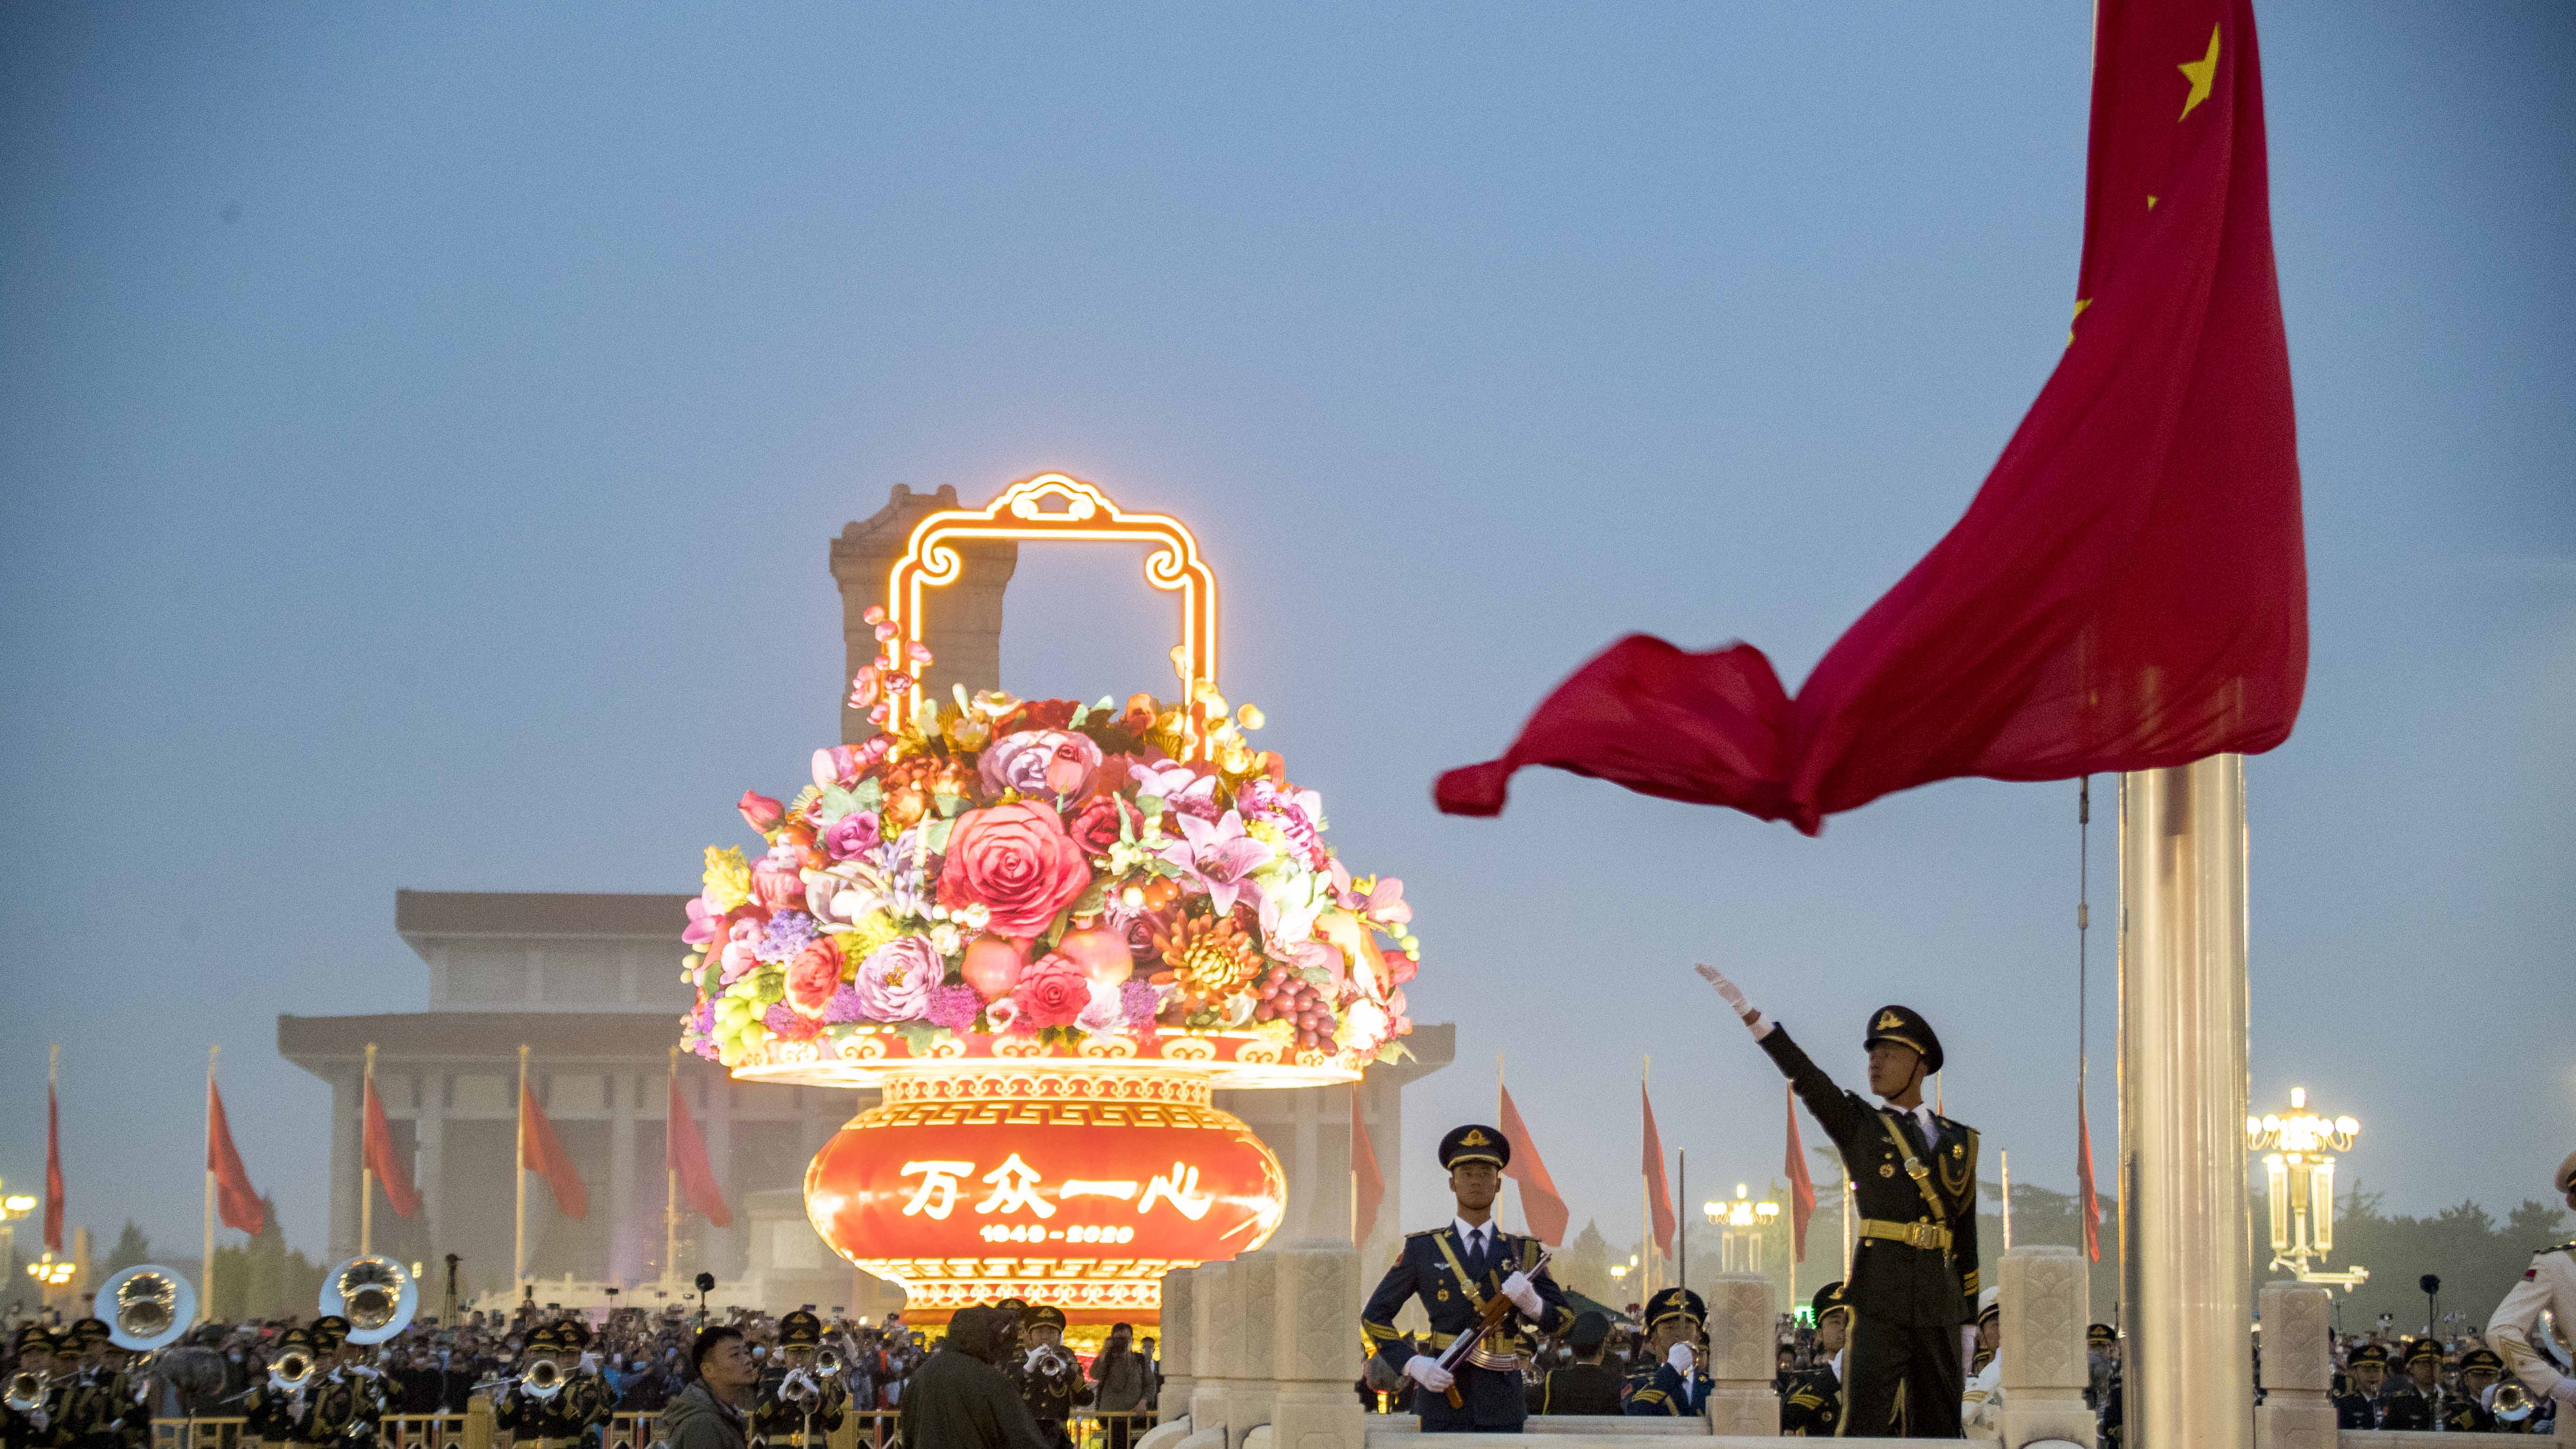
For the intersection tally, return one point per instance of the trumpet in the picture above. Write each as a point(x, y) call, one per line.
point(26, 1391)
point(2512, 1402)
point(828, 1363)
point(292, 1369)
point(543, 1379)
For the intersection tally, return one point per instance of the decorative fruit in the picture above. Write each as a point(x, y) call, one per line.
point(1102, 954)
point(993, 965)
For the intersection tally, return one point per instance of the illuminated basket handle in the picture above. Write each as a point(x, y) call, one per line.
point(1086, 516)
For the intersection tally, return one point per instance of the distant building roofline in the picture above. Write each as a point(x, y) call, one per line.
point(539, 913)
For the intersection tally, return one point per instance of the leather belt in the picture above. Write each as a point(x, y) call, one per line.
point(1913, 1235)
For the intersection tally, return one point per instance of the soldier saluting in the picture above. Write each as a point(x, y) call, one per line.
point(1456, 1271)
point(1913, 1282)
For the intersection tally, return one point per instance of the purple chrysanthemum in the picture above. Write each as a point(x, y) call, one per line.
point(782, 1019)
point(788, 932)
point(705, 1024)
point(953, 1007)
point(844, 1006)
point(706, 1047)
point(1140, 1000)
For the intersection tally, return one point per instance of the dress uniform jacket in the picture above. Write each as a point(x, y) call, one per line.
point(1895, 1282)
point(568, 1415)
point(94, 1408)
point(778, 1419)
point(41, 1427)
point(331, 1409)
point(2548, 1285)
point(270, 1413)
point(2406, 1408)
point(1580, 1388)
point(2354, 1410)
point(1813, 1406)
point(1656, 1389)
point(1052, 1385)
point(1432, 1266)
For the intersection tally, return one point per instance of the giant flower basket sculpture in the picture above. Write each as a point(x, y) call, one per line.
point(1049, 931)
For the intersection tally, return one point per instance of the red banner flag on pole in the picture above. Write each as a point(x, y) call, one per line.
point(53, 1154)
point(684, 1154)
point(377, 1144)
point(1802, 1188)
point(1540, 1202)
point(2090, 1206)
point(1659, 1193)
point(2127, 591)
point(236, 1201)
point(1368, 1185)
point(541, 1154)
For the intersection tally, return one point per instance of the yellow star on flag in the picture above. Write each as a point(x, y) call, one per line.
point(2200, 73)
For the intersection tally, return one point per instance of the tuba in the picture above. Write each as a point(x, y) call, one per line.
point(146, 1308)
point(377, 1295)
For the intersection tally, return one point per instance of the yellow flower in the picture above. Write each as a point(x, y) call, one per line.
point(728, 877)
point(861, 937)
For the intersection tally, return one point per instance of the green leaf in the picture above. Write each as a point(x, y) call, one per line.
point(838, 802)
point(868, 794)
point(948, 804)
point(918, 1035)
point(1080, 713)
point(1055, 928)
point(1093, 900)
point(1163, 868)
point(1150, 805)
point(1316, 976)
point(1393, 1052)
point(935, 834)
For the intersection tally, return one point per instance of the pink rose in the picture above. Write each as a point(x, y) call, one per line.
point(851, 834)
point(1016, 862)
point(741, 950)
point(760, 812)
point(1053, 993)
point(1095, 825)
point(1035, 762)
point(813, 976)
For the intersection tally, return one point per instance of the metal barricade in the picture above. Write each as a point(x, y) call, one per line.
point(1110, 1429)
point(393, 1431)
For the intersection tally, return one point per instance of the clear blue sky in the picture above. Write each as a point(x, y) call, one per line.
point(420, 429)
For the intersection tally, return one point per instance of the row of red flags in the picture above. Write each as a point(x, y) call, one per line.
point(239, 1205)
point(1549, 1218)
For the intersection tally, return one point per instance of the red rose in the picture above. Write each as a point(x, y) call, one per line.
point(1053, 993)
point(1036, 714)
point(1015, 861)
point(760, 812)
point(813, 976)
point(1095, 825)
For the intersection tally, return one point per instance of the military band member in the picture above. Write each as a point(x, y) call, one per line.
point(2409, 1406)
point(1981, 1408)
point(2357, 1405)
point(585, 1404)
point(2469, 1412)
point(1049, 1377)
point(1813, 1407)
point(39, 1353)
point(1913, 1286)
point(796, 1404)
point(2548, 1286)
point(272, 1407)
point(1667, 1378)
point(1455, 1271)
point(557, 1418)
point(332, 1397)
point(1587, 1385)
point(95, 1399)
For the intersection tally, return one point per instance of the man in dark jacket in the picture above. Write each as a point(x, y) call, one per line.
point(1587, 1385)
point(957, 1399)
point(709, 1413)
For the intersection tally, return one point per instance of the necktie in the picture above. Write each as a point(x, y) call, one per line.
point(1476, 1252)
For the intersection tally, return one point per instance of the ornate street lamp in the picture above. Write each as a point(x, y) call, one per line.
point(2298, 1167)
point(1743, 1223)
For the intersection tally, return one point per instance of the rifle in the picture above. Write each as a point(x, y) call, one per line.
point(1495, 1308)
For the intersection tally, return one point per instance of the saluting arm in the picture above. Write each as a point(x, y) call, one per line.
point(1840, 1113)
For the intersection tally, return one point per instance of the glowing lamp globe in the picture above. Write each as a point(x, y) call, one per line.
point(1047, 932)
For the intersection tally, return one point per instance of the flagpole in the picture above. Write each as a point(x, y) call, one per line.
point(519, 1181)
point(2005, 1157)
point(366, 1166)
point(1498, 1117)
point(671, 1171)
point(206, 1270)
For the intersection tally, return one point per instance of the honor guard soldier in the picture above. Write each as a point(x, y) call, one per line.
point(1667, 1379)
point(2548, 1286)
point(1456, 1271)
point(95, 1401)
point(34, 1408)
point(2409, 1406)
point(2470, 1412)
point(1587, 1385)
point(798, 1404)
point(1049, 1377)
point(1813, 1408)
point(1913, 1284)
point(2366, 1373)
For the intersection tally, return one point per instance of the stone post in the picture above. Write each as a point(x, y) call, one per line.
point(1216, 1322)
point(2045, 1297)
point(1180, 1342)
point(963, 626)
point(1741, 1357)
point(1314, 1313)
point(2298, 1368)
point(1252, 1298)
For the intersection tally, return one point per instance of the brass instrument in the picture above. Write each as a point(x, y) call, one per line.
point(828, 1363)
point(26, 1391)
point(376, 1294)
point(543, 1380)
point(2512, 1402)
point(291, 1369)
point(146, 1308)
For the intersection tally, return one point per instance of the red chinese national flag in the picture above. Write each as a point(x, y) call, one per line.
point(392, 1173)
point(684, 1154)
point(1659, 1195)
point(2090, 1206)
point(53, 1171)
point(1540, 1203)
point(1368, 1185)
point(2128, 590)
point(236, 1201)
point(1802, 1188)
point(540, 1153)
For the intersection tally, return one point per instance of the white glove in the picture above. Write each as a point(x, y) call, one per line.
point(1734, 998)
point(1967, 1343)
point(1681, 1359)
point(1425, 1370)
point(2564, 1391)
point(1524, 1296)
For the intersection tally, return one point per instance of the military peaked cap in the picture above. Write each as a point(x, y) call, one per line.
point(35, 1338)
point(1830, 1299)
point(1675, 1303)
point(2481, 1358)
point(574, 1334)
point(1591, 1329)
point(1989, 1305)
point(86, 1333)
point(2370, 1353)
point(1473, 1143)
point(799, 1329)
point(1905, 1026)
point(2424, 1348)
point(2100, 1333)
point(330, 1331)
point(1046, 1315)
